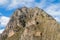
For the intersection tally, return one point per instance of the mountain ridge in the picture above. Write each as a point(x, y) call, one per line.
point(31, 24)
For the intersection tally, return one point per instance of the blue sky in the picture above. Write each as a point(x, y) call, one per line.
point(7, 7)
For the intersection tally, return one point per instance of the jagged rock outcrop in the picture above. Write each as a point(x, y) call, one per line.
point(31, 24)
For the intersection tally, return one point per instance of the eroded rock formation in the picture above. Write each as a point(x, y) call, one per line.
point(31, 24)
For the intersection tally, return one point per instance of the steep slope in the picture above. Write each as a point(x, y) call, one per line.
point(31, 24)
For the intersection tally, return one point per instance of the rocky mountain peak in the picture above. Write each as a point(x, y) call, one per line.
point(31, 24)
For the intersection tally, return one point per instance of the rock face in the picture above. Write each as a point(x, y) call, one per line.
point(0, 37)
point(31, 24)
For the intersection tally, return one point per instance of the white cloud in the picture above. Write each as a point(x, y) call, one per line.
point(41, 4)
point(57, 19)
point(17, 3)
point(4, 20)
point(3, 2)
point(1, 31)
point(27, 3)
point(54, 10)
